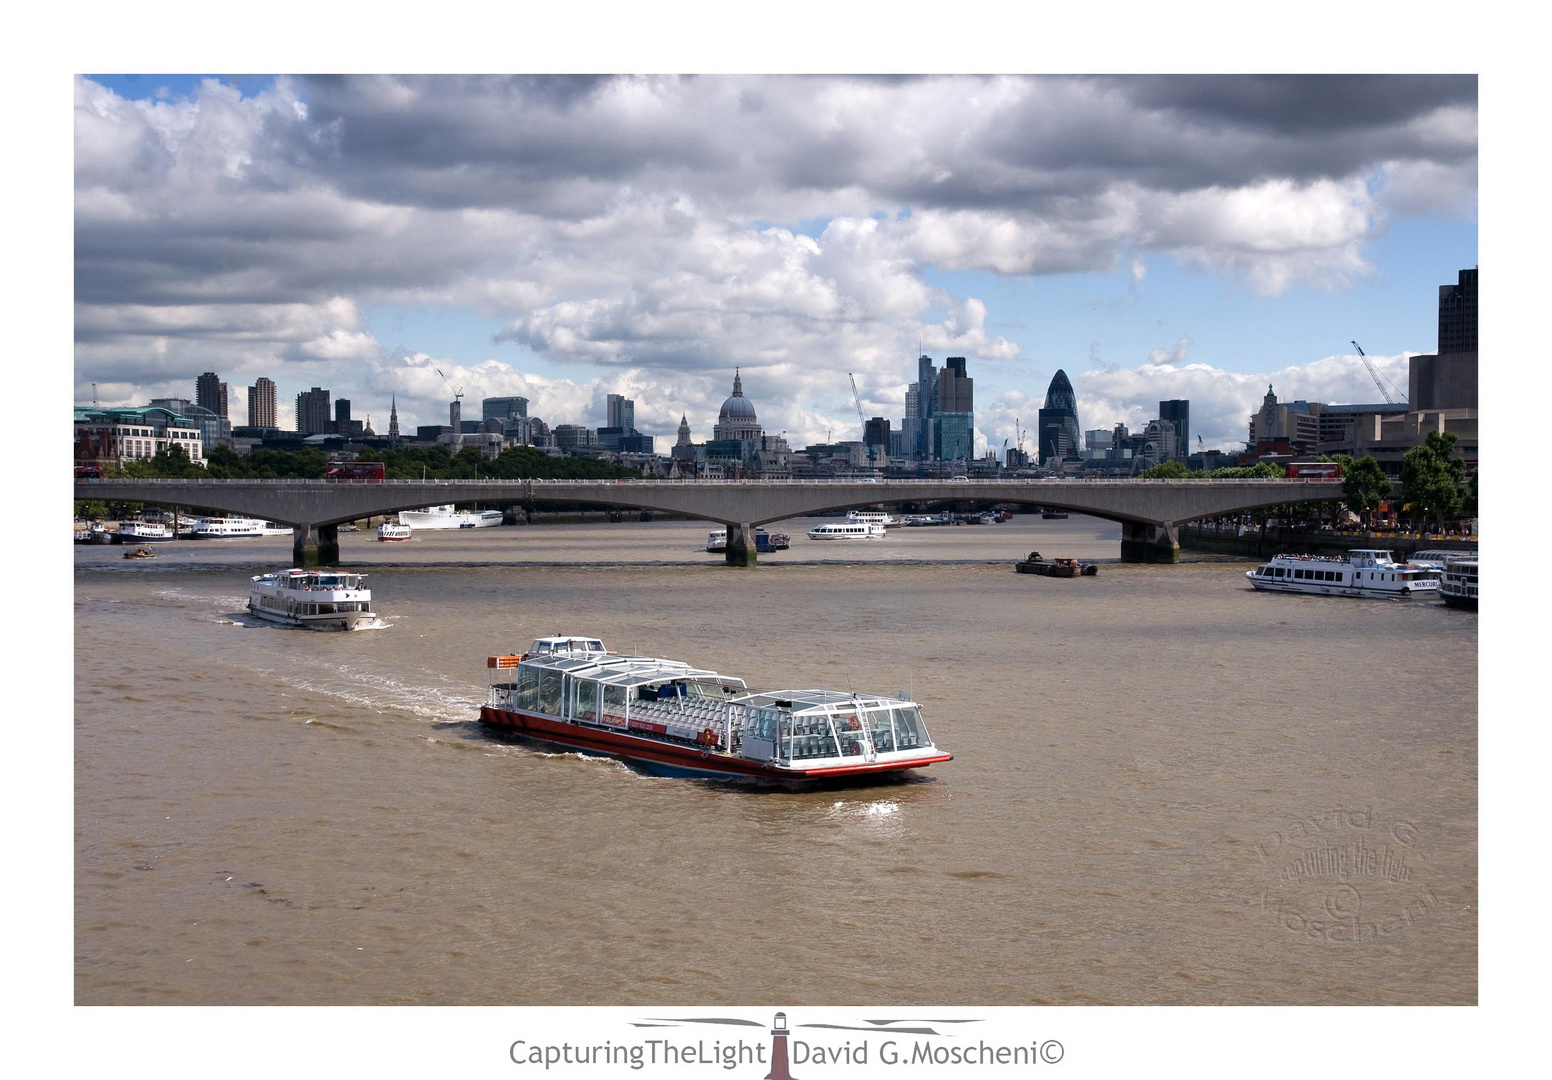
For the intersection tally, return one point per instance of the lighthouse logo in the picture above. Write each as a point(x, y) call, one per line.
point(779, 1049)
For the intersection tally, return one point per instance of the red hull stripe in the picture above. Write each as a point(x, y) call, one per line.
point(685, 757)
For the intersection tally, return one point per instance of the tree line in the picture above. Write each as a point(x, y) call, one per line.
point(1434, 485)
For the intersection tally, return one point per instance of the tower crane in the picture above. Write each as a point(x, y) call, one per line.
point(857, 398)
point(456, 412)
point(1375, 375)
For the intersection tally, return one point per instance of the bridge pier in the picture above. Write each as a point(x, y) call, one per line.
point(741, 549)
point(314, 545)
point(1145, 543)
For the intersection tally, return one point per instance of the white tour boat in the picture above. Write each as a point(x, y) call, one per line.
point(1365, 572)
point(276, 528)
point(227, 528)
point(1458, 586)
point(316, 599)
point(874, 517)
point(846, 530)
point(445, 517)
point(670, 717)
point(393, 532)
point(142, 532)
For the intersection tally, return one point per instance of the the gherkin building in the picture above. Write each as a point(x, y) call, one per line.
point(1059, 421)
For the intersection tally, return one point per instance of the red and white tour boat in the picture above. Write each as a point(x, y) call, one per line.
point(672, 718)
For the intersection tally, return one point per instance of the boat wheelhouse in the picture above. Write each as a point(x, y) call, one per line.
point(316, 599)
point(670, 717)
point(1458, 586)
point(1364, 572)
point(846, 530)
point(393, 532)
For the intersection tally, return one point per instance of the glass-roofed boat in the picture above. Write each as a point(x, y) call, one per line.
point(671, 717)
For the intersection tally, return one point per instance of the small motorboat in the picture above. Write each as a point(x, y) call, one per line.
point(140, 553)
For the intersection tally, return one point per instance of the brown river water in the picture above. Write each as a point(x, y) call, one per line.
point(1168, 788)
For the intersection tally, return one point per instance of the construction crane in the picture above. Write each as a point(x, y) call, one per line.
point(857, 398)
point(455, 413)
point(1375, 375)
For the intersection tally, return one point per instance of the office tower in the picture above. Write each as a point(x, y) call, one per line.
point(1458, 314)
point(1178, 413)
point(927, 407)
point(956, 390)
point(342, 416)
point(1058, 421)
point(312, 411)
point(261, 404)
point(876, 433)
point(621, 413)
point(503, 408)
point(210, 393)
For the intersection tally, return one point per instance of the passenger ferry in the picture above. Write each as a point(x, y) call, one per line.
point(227, 528)
point(316, 599)
point(673, 718)
point(874, 517)
point(142, 532)
point(764, 542)
point(846, 530)
point(1458, 587)
point(1365, 572)
point(391, 532)
point(445, 517)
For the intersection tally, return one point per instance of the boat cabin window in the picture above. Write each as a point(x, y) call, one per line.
point(910, 732)
point(587, 700)
point(882, 730)
point(763, 724)
point(527, 688)
point(550, 691)
point(614, 702)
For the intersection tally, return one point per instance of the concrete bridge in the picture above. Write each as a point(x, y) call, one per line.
point(1149, 511)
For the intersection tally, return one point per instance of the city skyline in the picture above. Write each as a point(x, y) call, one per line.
point(1156, 238)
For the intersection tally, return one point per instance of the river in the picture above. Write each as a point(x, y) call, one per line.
point(1167, 788)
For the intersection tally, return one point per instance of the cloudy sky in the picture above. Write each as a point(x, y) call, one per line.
point(565, 238)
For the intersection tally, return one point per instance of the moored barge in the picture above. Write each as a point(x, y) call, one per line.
point(669, 717)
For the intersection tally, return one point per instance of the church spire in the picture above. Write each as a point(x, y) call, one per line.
point(738, 384)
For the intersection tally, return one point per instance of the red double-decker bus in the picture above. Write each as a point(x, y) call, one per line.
point(1314, 470)
point(355, 470)
point(88, 472)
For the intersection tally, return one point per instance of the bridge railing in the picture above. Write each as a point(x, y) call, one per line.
point(763, 482)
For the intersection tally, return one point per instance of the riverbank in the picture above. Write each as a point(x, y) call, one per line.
point(1258, 544)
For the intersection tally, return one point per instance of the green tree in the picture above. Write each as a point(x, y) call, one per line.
point(1364, 486)
point(1431, 479)
point(1167, 470)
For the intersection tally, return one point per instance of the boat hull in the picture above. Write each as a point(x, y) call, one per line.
point(122, 537)
point(1418, 591)
point(1046, 569)
point(339, 620)
point(682, 760)
point(1465, 603)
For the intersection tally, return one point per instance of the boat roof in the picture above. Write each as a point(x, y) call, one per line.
point(816, 700)
point(616, 670)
